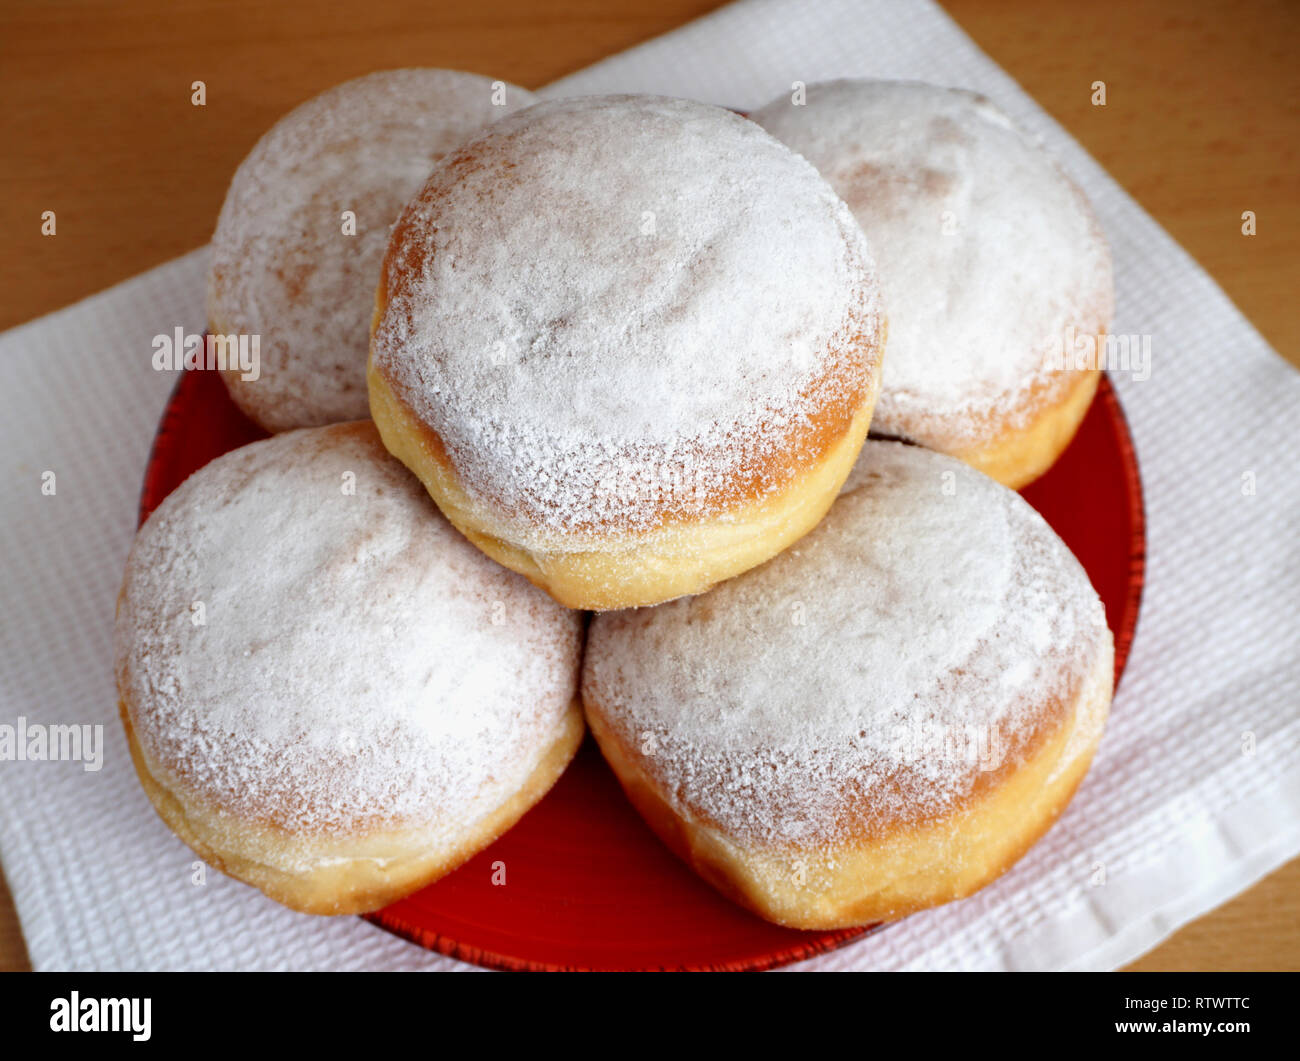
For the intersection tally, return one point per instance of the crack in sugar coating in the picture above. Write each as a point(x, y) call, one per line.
point(613, 311)
point(875, 674)
point(281, 265)
point(987, 251)
point(360, 663)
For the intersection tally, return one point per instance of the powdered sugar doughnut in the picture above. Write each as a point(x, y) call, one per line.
point(328, 692)
point(284, 266)
point(630, 344)
point(882, 718)
point(992, 262)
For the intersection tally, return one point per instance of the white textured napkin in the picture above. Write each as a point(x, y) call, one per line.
point(1175, 816)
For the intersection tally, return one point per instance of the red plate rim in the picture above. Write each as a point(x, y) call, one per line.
point(818, 943)
point(1137, 554)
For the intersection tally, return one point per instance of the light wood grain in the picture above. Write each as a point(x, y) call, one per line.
point(1202, 122)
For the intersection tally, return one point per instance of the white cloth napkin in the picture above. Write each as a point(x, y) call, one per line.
point(1175, 816)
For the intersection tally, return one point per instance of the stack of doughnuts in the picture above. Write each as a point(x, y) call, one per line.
point(621, 355)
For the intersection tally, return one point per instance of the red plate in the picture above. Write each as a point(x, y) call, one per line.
point(587, 885)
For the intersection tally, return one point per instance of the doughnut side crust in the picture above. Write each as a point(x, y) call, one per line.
point(329, 874)
point(882, 878)
point(1020, 454)
point(627, 570)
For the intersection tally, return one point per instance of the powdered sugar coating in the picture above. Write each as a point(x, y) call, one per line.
point(931, 609)
point(987, 252)
point(282, 267)
point(610, 309)
point(359, 664)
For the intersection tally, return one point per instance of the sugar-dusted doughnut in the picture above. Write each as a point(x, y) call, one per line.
point(996, 273)
point(630, 344)
point(882, 718)
point(327, 691)
point(289, 267)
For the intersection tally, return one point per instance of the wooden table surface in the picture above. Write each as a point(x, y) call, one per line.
point(1201, 123)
